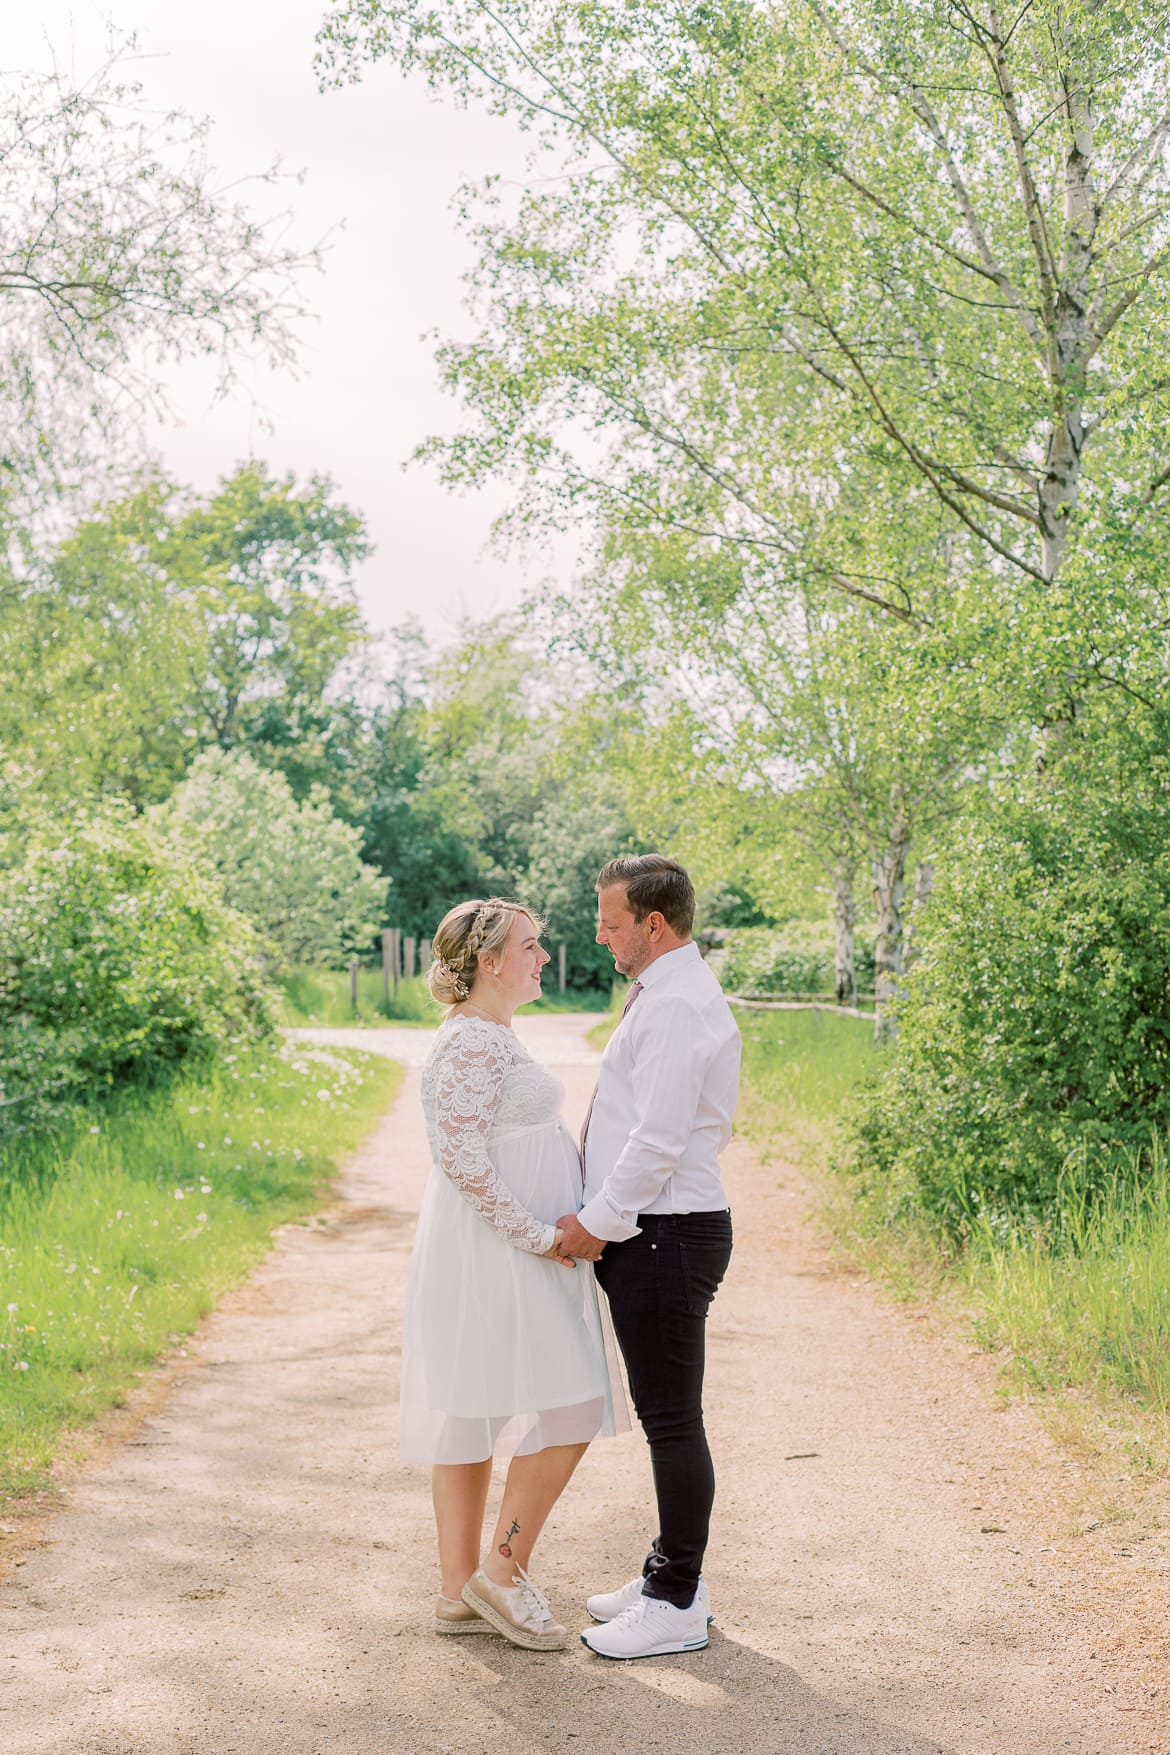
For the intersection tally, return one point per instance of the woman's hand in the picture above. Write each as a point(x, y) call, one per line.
point(557, 1254)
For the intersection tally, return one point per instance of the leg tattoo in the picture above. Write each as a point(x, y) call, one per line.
point(505, 1546)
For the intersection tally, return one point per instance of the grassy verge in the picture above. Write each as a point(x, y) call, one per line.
point(124, 1226)
point(799, 1071)
point(1077, 1311)
point(321, 996)
point(574, 999)
point(1089, 1306)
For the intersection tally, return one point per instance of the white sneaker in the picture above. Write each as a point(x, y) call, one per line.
point(649, 1628)
point(608, 1605)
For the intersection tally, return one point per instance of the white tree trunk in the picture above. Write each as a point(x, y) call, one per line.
point(889, 877)
point(1069, 323)
point(923, 884)
point(844, 958)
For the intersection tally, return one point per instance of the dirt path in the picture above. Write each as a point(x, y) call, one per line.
point(252, 1570)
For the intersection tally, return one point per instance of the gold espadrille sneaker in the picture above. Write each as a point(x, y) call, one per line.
point(518, 1611)
point(453, 1616)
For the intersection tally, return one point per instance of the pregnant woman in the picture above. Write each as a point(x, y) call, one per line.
point(504, 1346)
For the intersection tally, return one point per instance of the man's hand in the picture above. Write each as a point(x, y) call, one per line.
point(576, 1240)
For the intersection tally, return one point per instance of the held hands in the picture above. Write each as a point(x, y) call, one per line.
point(557, 1252)
point(575, 1240)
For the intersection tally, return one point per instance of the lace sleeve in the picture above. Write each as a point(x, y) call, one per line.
point(467, 1089)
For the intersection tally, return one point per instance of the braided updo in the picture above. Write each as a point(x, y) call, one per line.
point(469, 931)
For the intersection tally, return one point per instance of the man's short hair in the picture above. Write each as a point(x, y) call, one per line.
point(653, 885)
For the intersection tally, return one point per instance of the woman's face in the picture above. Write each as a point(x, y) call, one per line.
point(517, 965)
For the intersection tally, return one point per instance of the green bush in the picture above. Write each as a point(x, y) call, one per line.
point(1035, 1029)
point(290, 868)
point(794, 958)
point(121, 962)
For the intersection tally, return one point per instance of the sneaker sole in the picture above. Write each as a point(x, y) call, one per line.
point(515, 1635)
point(632, 1657)
point(604, 1620)
point(459, 1629)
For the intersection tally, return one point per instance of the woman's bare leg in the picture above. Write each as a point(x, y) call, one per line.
point(533, 1486)
point(460, 1492)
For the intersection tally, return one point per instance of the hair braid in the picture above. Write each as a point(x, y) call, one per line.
point(477, 932)
point(463, 935)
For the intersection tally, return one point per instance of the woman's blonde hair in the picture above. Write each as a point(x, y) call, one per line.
point(469, 931)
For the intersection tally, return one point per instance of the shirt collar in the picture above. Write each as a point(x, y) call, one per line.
point(660, 969)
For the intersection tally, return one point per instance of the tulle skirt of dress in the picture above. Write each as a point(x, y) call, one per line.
point(501, 1349)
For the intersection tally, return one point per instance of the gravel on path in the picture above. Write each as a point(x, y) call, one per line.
point(892, 1566)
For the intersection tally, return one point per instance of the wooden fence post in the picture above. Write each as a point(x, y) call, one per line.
point(386, 960)
point(354, 967)
point(561, 971)
point(424, 955)
point(408, 958)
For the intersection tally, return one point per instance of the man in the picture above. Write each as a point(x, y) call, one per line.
point(657, 1224)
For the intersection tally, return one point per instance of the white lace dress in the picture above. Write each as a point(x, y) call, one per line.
point(500, 1348)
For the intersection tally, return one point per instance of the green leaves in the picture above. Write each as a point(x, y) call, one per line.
point(1036, 1025)
point(164, 623)
point(293, 870)
point(120, 251)
point(121, 963)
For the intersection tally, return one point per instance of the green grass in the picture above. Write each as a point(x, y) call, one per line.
point(123, 1226)
point(1084, 1301)
point(1080, 1304)
point(574, 999)
point(322, 996)
point(799, 1071)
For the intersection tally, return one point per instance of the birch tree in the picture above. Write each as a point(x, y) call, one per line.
point(122, 252)
point(939, 234)
point(809, 721)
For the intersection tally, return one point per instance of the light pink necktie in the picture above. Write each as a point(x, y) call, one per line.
point(631, 996)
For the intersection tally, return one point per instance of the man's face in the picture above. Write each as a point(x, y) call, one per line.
point(628, 939)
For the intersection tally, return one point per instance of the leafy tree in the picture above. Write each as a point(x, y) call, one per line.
point(777, 265)
point(374, 767)
point(490, 731)
point(266, 568)
point(163, 624)
point(510, 795)
point(573, 835)
point(291, 869)
point(820, 736)
point(120, 252)
point(97, 655)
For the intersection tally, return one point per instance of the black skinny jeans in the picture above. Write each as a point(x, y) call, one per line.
point(660, 1285)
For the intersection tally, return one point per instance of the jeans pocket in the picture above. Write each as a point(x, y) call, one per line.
point(701, 1270)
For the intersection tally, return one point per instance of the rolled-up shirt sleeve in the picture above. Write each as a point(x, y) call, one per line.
point(671, 1050)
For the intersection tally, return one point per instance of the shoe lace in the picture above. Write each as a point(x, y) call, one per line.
point(634, 1612)
point(535, 1602)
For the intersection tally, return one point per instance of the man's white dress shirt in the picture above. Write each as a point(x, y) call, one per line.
point(665, 1101)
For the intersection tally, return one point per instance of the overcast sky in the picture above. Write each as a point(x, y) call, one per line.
point(385, 159)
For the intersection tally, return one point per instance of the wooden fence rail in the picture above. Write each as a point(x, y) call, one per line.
point(401, 953)
point(799, 1005)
